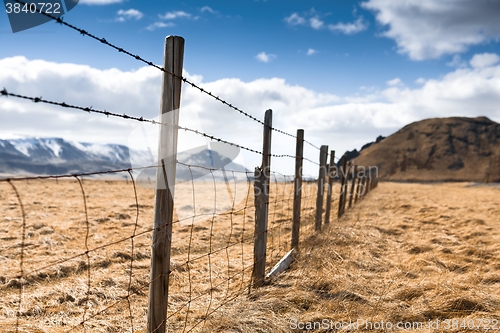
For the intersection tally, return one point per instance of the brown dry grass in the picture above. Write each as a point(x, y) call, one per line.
point(406, 252)
point(211, 258)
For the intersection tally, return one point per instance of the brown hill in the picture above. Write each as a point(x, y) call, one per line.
point(438, 149)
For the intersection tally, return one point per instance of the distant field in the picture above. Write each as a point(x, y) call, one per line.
point(406, 253)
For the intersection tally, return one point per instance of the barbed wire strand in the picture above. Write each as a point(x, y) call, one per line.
point(149, 63)
point(4, 92)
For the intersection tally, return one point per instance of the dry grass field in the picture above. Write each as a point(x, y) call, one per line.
point(405, 253)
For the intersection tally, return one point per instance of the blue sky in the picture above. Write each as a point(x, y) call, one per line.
point(346, 71)
point(223, 39)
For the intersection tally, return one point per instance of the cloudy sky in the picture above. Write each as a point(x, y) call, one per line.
point(345, 71)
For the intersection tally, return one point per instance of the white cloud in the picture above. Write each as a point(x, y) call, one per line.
point(311, 52)
point(349, 28)
point(395, 82)
point(457, 61)
point(295, 19)
point(344, 122)
point(207, 9)
point(313, 20)
point(175, 15)
point(124, 15)
point(484, 60)
point(99, 2)
point(82, 85)
point(158, 25)
point(420, 80)
point(316, 23)
point(426, 29)
point(265, 57)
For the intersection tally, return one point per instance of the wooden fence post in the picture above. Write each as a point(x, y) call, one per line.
point(375, 178)
point(354, 177)
point(363, 187)
point(369, 182)
point(321, 186)
point(297, 189)
point(165, 184)
point(358, 189)
point(343, 180)
point(331, 168)
point(346, 187)
point(261, 191)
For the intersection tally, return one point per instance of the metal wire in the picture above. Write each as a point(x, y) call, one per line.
point(4, 92)
point(149, 63)
point(222, 273)
point(221, 282)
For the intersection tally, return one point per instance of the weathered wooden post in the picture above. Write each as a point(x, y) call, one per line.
point(331, 169)
point(354, 177)
point(363, 187)
point(368, 186)
point(343, 182)
point(297, 189)
point(375, 177)
point(261, 191)
point(321, 186)
point(358, 189)
point(165, 184)
point(346, 187)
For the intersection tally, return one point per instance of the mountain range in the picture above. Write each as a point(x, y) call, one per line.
point(436, 149)
point(56, 156)
point(44, 156)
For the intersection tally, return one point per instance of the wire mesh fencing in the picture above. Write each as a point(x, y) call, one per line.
point(71, 253)
point(77, 253)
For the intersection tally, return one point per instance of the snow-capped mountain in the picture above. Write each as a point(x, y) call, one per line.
point(56, 156)
point(214, 162)
point(43, 156)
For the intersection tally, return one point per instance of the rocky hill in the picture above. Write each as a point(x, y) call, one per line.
point(438, 149)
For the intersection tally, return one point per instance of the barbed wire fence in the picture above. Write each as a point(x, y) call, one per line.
point(84, 262)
